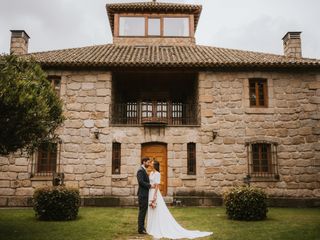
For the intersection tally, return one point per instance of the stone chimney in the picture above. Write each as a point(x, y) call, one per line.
point(19, 42)
point(292, 45)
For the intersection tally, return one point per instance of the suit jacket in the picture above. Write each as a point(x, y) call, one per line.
point(144, 182)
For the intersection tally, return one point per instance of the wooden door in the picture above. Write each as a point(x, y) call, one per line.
point(158, 151)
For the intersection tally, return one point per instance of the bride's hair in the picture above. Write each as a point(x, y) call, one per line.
point(156, 165)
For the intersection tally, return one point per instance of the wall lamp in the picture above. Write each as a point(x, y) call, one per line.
point(214, 135)
point(96, 134)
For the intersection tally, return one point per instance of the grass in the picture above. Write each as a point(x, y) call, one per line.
point(120, 223)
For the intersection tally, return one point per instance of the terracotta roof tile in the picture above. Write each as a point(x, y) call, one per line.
point(153, 7)
point(111, 55)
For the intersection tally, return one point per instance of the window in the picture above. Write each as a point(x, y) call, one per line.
point(55, 83)
point(154, 28)
point(47, 159)
point(191, 158)
point(116, 158)
point(177, 113)
point(132, 26)
point(258, 92)
point(176, 27)
point(162, 109)
point(262, 160)
point(146, 109)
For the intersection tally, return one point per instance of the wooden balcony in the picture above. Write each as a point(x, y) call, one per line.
point(155, 113)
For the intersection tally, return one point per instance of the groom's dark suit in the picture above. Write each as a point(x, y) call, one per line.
point(143, 194)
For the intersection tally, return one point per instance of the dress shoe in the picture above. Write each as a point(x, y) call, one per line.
point(142, 232)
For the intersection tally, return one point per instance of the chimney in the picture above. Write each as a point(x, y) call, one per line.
point(19, 42)
point(292, 45)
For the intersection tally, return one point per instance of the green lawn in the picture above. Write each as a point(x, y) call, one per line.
point(120, 223)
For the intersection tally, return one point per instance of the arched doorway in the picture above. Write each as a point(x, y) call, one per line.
point(158, 151)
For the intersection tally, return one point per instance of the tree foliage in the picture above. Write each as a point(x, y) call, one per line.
point(30, 110)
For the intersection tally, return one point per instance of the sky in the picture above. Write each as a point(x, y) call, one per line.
point(254, 25)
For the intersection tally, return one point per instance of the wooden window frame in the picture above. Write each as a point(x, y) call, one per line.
point(265, 92)
point(152, 16)
point(191, 159)
point(272, 161)
point(50, 158)
point(116, 158)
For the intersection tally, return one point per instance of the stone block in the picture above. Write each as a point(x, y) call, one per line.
point(104, 77)
point(90, 78)
point(103, 92)
point(73, 123)
point(102, 107)
point(213, 170)
point(228, 140)
point(315, 99)
point(7, 191)
point(314, 85)
point(74, 86)
point(19, 201)
point(95, 147)
point(18, 169)
point(89, 123)
point(24, 191)
point(23, 176)
point(104, 181)
point(21, 161)
point(79, 169)
point(121, 191)
point(175, 182)
point(101, 201)
point(74, 106)
point(206, 98)
point(69, 147)
point(3, 202)
point(4, 184)
point(101, 123)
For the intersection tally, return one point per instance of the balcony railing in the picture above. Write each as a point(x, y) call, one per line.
point(155, 113)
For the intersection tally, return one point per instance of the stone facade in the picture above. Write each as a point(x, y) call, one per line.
point(292, 120)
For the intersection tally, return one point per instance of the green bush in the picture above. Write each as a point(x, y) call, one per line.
point(246, 203)
point(56, 203)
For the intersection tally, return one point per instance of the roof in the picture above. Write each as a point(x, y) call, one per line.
point(152, 7)
point(191, 56)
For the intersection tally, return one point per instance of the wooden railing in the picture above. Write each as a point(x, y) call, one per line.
point(157, 113)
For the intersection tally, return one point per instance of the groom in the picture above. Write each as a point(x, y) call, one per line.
point(143, 193)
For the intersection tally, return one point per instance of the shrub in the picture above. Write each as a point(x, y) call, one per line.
point(246, 203)
point(56, 203)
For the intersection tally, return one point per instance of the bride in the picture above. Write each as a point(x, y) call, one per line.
point(160, 222)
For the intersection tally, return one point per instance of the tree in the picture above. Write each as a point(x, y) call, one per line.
point(30, 110)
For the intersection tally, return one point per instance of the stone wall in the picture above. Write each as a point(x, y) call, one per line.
point(292, 120)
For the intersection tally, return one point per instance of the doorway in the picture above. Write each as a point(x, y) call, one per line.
point(158, 151)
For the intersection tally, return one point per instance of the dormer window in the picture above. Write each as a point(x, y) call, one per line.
point(132, 26)
point(154, 26)
point(176, 27)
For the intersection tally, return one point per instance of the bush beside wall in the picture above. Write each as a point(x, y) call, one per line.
point(56, 203)
point(246, 203)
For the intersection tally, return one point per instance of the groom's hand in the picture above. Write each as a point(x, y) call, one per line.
point(152, 186)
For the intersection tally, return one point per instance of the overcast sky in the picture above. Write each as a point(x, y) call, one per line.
point(256, 25)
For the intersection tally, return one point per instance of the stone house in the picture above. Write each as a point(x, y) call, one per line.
point(213, 117)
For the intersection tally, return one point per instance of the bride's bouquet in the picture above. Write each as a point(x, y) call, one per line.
point(153, 204)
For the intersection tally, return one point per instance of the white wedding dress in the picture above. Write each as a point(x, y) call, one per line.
point(160, 222)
